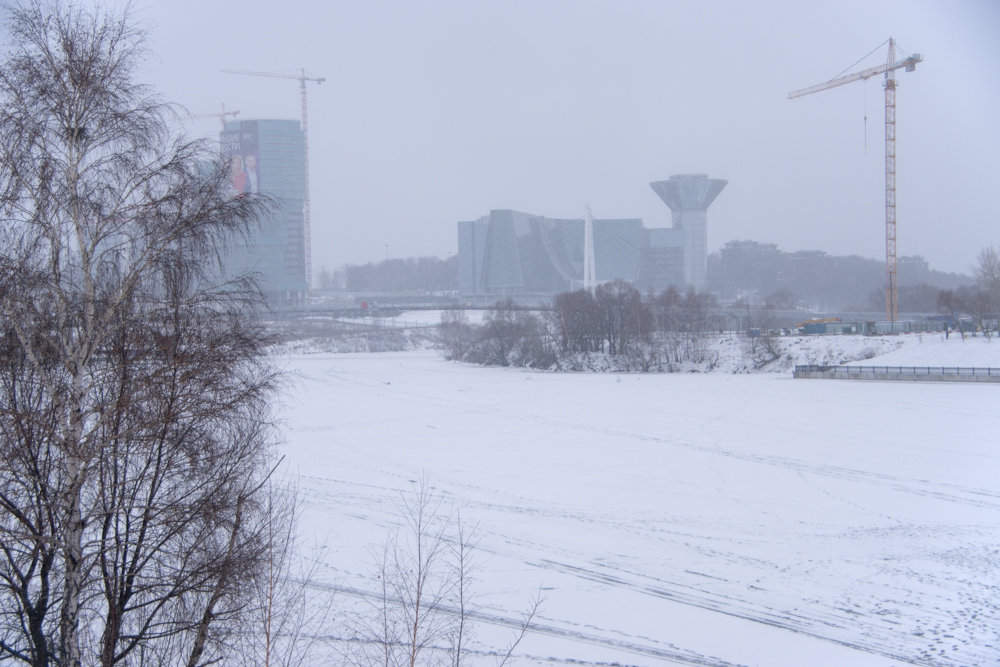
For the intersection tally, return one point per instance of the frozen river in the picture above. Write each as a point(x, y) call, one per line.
point(687, 518)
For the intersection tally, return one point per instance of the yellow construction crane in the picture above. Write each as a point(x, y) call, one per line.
point(889, 69)
point(220, 115)
point(302, 79)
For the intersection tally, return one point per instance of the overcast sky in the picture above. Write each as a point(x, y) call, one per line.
point(438, 111)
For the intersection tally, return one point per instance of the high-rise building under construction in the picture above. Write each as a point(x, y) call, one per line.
point(268, 156)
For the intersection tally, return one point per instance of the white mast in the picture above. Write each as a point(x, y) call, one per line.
point(589, 272)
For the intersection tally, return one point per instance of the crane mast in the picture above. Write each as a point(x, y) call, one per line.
point(891, 286)
point(306, 208)
point(889, 70)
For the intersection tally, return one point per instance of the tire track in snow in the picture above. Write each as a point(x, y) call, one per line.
point(824, 622)
point(562, 629)
point(984, 498)
point(829, 621)
point(847, 613)
point(799, 624)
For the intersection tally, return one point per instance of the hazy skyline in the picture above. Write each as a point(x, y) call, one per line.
point(437, 112)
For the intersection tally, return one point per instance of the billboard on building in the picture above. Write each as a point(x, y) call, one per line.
point(241, 149)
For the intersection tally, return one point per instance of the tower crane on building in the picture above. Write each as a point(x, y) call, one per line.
point(221, 115)
point(889, 70)
point(302, 79)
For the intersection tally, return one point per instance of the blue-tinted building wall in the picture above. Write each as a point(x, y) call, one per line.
point(471, 250)
point(512, 253)
point(268, 156)
point(663, 262)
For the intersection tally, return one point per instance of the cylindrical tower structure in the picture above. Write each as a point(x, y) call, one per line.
point(689, 196)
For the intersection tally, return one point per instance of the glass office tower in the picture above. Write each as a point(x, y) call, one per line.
point(268, 156)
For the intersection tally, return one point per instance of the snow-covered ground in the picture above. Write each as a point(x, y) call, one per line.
point(706, 519)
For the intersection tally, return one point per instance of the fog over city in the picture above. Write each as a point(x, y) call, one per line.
point(581, 440)
point(439, 111)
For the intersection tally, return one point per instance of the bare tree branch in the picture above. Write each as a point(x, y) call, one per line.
point(135, 429)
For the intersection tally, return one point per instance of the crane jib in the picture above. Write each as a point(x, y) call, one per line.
point(889, 68)
point(909, 64)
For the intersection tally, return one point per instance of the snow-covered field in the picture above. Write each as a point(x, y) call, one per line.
point(707, 519)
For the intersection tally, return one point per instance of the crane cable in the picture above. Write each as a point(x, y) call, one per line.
point(866, 117)
point(862, 58)
point(852, 66)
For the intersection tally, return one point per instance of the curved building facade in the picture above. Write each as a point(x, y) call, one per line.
point(511, 253)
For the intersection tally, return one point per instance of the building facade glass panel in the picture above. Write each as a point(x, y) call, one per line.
point(268, 157)
point(509, 253)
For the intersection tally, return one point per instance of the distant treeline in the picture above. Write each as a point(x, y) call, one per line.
point(752, 270)
point(656, 332)
point(740, 271)
point(644, 332)
point(413, 274)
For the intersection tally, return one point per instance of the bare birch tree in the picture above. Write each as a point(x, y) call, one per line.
point(423, 611)
point(408, 618)
point(134, 429)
